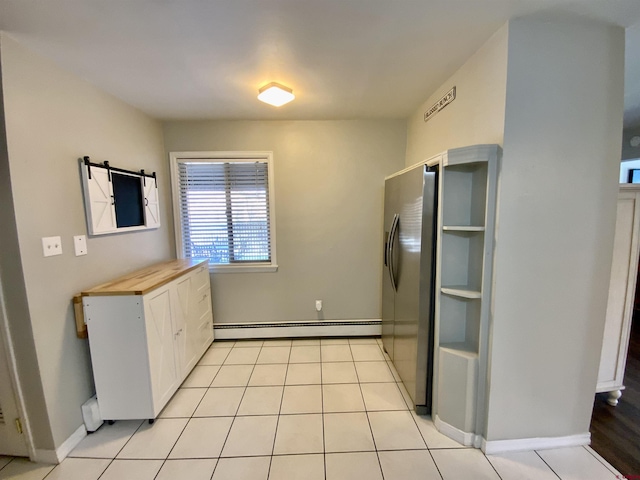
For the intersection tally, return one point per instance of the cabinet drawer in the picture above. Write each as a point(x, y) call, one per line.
point(203, 303)
point(200, 278)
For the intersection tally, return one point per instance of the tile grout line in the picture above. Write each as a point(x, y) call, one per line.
point(237, 409)
point(192, 413)
point(366, 412)
point(324, 440)
point(50, 471)
point(275, 434)
point(492, 465)
point(410, 411)
point(188, 421)
point(122, 448)
point(545, 462)
point(600, 458)
point(178, 438)
point(12, 459)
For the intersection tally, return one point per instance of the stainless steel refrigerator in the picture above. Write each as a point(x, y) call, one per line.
point(410, 211)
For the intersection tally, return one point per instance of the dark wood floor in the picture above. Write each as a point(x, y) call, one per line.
point(615, 431)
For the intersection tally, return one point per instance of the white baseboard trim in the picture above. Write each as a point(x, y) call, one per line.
point(45, 456)
point(516, 445)
point(305, 328)
point(544, 443)
point(59, 454)
point(464, 438)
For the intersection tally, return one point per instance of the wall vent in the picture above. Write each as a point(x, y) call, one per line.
point(1, 415)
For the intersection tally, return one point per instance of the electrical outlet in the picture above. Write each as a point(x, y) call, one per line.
point(51, 246)
point(318, 305)
point(80, 244)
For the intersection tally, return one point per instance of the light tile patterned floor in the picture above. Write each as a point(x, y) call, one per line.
point(310, 409)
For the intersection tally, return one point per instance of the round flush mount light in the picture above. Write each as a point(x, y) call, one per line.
point(275, 94)
point(635, 141)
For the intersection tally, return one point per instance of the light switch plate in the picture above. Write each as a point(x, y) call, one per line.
point(51, 246)
point(80, 244)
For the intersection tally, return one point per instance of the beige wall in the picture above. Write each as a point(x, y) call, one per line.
point(476, 116)
point(329, 184)
point(52, 119)
point(556, 217)
point(551, 93)
point(15, 301)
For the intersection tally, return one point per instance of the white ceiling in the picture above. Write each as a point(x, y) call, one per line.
point(195, 59)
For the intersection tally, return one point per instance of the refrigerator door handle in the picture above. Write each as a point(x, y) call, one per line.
point(391, 243)
point(387, 244)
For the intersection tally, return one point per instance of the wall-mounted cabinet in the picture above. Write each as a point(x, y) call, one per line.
point(118, 200)
point(466, 225)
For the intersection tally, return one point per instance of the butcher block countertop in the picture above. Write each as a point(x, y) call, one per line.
point(143, 281)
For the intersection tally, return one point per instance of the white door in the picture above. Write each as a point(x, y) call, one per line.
point(160, 342)
point(12, 442)
point(151, 204)
point(187, 347)
point(99, 201)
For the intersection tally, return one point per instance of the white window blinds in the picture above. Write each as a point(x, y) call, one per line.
point(224, 211)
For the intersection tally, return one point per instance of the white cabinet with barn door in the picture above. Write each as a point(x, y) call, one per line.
point(118, 200)
point(147, 331)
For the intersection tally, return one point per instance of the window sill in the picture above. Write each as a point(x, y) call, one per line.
point(248, 268)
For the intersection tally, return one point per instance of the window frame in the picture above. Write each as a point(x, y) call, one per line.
point(176, 158)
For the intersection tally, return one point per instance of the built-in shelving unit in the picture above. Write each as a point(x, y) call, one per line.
point(463, 282)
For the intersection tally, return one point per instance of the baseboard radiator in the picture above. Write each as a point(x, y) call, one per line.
point(304, 328)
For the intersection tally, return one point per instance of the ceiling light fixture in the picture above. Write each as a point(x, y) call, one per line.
point(275, 94)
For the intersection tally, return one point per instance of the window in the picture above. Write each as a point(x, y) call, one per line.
point(223, 209)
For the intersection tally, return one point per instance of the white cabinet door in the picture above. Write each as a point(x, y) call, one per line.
point(151, 204)
point(101, 214)
point(194, 314)
point(621, 293)
point(161, 340)
point(185, 349)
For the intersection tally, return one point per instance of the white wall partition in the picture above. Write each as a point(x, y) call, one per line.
point(52, 118)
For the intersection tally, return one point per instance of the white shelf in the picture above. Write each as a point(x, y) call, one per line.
point(461, 291)
point(464, 192)
point(463, 349)
point(463, 228)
